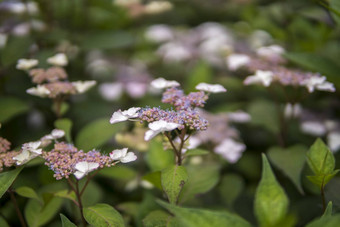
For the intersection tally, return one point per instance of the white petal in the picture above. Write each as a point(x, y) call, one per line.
point(23, 157)
point(58, 60)
point(130, 157)
point(150, 134)
point(118, 154)
point(213, 88)
point(313, 128)
point(118, 117)
point(236, 61)
point(83, 86)
point(161, 83)
point(40, 91)
point(57, 133)
point(132, 112)
point(79, 174)
point(26, 64)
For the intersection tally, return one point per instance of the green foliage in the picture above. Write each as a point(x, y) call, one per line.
point(189, 217)
point(65, 222)
point(157, 158)
point(173, 180)
point(66, 125)
point(27, 192)
point(201, 72)
point(321, 161)
point(10, 107)
point(230, 188)
point(158, 218)
point(335, 8)
point(3, 222)
point(196, 152)
point(271, 202)
point(96, 133)
point(119, 172)
point(107, 40)
point(154, 178)
point(39, 214)
point(16, 48)
point(290, 161)
point(329, 221)
point(103, 215)
point(329, 210)
point(201, 179)
point(7, 179)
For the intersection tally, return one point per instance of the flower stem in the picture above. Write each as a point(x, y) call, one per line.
point(78, 195)
point(14, 200)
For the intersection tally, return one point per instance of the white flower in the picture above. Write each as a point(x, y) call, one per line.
point(158, 127)
point(230, 150)
point(174, 52)
point(292, 110)
point(159, 33)
point(58, 60)
point(83, 86)
point(123, 156)
point(261, 77)
point(155, 7)
point(212, 88)
point(318, 83)
point(3, 40)
point(26, 64)
point(83, 168)
point(40, 91)
point(236, 61)
point(314, 128)
point(111, 91)
point(125, 115)
point(125, 3)
point(161, 83)
point(239, 117)
point(333, 140)
point(269, 52)
point(29, 151)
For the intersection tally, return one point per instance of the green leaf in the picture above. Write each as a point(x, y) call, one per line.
point(3, 222)
point(322, 179)
point(329, 221)
point(335, 8)
point(119, 172)
point(201, 179)
point(328, 211)
point(103, 215)
point(96, 134)
point(7, 178)
point(27, 192)
point(66, 194)
point(16, 48)
point(290, 161)
point(66, 125)
point(107, 40)
point(271, 202)
point(189, 217)
point(263, 113)
point(316, 63)
point(157, 218)
point(147, 205)
point(154, 178)
point(157, 158)
point(230, 188)
point(65, 222)
point(38, 214)
point(10, 107)
point(173, 180)
point(320, 159)
point(196, 152)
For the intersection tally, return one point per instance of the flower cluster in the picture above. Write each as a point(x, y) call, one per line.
point(52, 82)
point(6, 156)
point(65, 160)
point(185, 116)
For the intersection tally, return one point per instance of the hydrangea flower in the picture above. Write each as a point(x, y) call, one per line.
point(318, 83)
point(83, 168)
point(83, 86)
point(236, 61)
point(211, 88)
point(230, 150)
point(122, 155)
point(26, 64)
point(161, 83)
point(261, 77)
point(58, 60)
point(40, 91)
point(29, 151)
point(125, 115)
point(157, 127)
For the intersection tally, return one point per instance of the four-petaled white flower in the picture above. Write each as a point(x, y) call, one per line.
point(58, 60)
point(161, 83)
point(318, 83)
point(40, 91)
point(55, 134)
point(261, 77)
point(230, 150)
point(83, 168)
point(158, 127)
point(125, 115)
point(236, 61)
point(83, 86)
point(122, 155)
point(211, 88)
point(29, 151)
point(26, 64)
